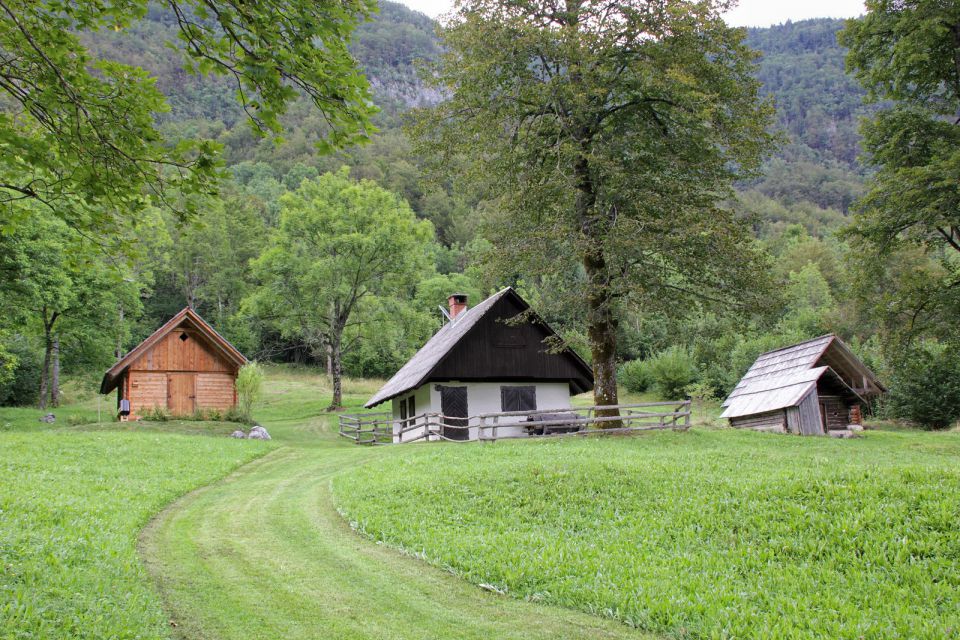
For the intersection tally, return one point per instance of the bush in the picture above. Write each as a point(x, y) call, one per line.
point(634, 376)
point(23, 386)
point(671, 371)
point(233, 415)
point(249, 389)
point(925, 387)
point(157, 414)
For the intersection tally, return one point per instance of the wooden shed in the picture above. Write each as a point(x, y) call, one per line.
point(810, 388)
point(185, 365)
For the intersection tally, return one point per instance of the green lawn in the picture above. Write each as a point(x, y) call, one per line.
point(705, 534)
point(701, 534)
point(88, 549)
point(73, 498)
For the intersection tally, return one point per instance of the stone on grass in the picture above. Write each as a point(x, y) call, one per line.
point(49, 418)
point(258, 433)
point(238, 434)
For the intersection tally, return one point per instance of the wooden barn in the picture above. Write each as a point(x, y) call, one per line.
point(811, 388)
point(481, 362)
point(184, 366)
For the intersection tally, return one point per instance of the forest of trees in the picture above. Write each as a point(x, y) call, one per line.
point(74, 300)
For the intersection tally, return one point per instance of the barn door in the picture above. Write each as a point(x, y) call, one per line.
point(181, 393)
point(453, 405)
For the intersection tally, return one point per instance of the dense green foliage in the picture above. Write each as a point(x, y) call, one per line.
point(794, 208)
point(72, 506)
point(697, 535)
point(617, 129)
point(906, 54)
point(926, 386)
point(78, 130)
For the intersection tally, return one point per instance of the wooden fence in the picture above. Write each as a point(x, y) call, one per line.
point(382, 428)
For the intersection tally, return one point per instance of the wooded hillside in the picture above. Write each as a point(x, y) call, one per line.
point(216, 263)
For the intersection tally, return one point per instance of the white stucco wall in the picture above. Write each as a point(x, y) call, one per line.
point(484, 398)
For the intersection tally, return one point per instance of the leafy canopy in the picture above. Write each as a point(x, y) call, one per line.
point(604, 134)
point(78, 133)
point(908, 53)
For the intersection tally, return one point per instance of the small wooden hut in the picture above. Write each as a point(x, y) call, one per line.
point(810, 388)
point(185, 365)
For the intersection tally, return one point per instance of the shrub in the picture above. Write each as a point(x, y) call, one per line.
point(634, 376)
point(671, 371)
point(249, 389)
point(21, 387)
point(925, 387)
point(233, 415)
point(157, 414)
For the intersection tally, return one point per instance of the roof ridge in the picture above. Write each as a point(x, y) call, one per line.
point(798, 344)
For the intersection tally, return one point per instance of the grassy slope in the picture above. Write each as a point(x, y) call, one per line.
point(701, 534)
point(72, 501)
point(264, 554)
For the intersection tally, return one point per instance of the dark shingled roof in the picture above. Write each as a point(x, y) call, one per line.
point(417, 370)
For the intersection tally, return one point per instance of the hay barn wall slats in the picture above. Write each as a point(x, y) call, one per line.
point(215, 390)
point(148, 390)
point(771, 421)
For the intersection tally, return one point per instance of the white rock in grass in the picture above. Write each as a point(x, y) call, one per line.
point(238, 434)
point(258, 433)
point(49, 418)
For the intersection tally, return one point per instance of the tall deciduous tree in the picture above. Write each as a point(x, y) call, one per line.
point(64, 289)
point(339, 244)
point(908, 55)
point(606, 132)
point(78, 133)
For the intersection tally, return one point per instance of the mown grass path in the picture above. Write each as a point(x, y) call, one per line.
point(264, 554)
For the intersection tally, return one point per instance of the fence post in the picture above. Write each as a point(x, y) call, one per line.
point(686, 418)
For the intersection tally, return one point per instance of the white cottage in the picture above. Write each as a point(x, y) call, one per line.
point(483, 361)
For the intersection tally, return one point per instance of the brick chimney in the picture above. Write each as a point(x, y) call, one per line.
point(458, 304)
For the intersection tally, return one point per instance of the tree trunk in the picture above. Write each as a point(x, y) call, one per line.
point(602, 333)
point(55, 374)
point(45, 371)
point(336, 335)
point(47, 356)
point(118, 352)
point(601, 322)
point(329, 362)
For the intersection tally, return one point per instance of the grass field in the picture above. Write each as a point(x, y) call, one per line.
point(71, 506)
point(706, 534)
point(702, 534)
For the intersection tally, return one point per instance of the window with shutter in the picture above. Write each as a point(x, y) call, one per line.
point(518, 398)
point(403, 409)
point(412, 404)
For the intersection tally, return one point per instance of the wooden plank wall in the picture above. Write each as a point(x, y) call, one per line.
point(173, 354)
point(771, 421)
point(215, 390)
point(808, 420)
point(147, 390)
point(837, 412)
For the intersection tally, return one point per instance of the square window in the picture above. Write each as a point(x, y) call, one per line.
point(518, 398)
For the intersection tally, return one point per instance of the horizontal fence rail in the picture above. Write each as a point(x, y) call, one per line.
point(383, 428)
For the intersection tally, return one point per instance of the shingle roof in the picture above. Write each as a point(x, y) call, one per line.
point(781, 391)
point(795, 358)
point(431, 358)
point(412, 374)
point(773, 392)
